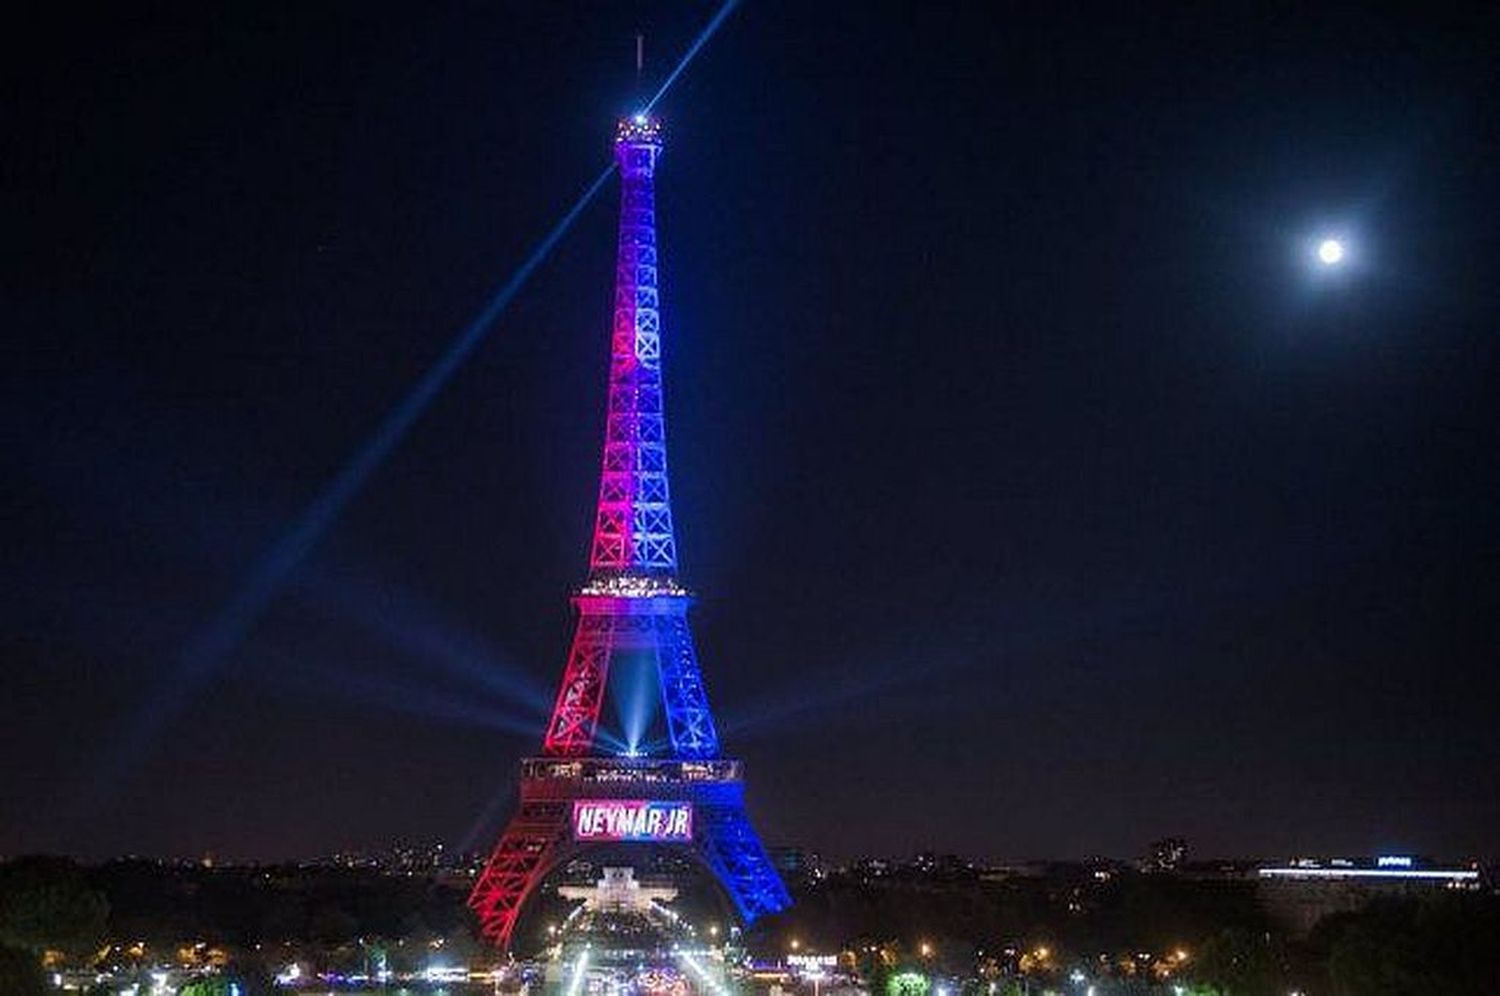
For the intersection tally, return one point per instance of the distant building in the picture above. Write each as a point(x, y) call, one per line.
point(1166, 855)
point(416, 859)
point(944, 866)
point(618, 892)
point(1219, 870)
point(1302, 892)
point(1001, 871)
point(867, 869)
point(797, 864)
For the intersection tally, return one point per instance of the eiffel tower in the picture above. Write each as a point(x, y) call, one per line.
point(684, 794)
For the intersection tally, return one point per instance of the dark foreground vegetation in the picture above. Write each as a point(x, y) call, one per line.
point(1142, 933)
point(1130, 932)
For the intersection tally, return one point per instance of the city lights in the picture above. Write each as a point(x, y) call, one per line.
point(579, 969)
point(583, 955)
point(1251, 366)
point(703, 975)
point(1455, 876)
point(438, 972)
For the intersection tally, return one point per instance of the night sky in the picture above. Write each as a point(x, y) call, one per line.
point(1041, 497)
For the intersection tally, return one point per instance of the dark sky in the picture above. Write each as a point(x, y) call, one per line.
point(1041, 499)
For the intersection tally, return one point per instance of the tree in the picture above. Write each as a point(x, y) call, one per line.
point(1376, 955)
point(1240, 962)
point(45, 903)
point(330, 924)
point(1447, 944)
point(907, 983)
point(20, 973)
point(212, 986)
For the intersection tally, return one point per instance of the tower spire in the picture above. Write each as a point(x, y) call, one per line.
point(633, 534)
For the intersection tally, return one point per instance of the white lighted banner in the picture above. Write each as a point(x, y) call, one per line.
point(632, 819)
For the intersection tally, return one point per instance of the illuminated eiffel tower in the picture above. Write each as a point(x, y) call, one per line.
point(684, 795)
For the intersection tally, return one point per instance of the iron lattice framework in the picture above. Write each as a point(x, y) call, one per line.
point(633, 528)
point(631, 603)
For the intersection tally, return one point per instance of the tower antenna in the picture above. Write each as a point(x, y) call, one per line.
point(640, 57)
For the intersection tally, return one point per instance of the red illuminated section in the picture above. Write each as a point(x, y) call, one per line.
point(632, 819)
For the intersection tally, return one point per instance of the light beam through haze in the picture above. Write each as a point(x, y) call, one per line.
point(229, 626)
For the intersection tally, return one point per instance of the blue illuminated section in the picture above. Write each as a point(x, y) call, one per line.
point(733, 850)
point(690, 724)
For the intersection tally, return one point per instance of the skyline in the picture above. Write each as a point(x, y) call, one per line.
point(1036, 492)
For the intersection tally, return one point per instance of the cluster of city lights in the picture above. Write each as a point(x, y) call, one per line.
point(694, 966)
point(575, 985)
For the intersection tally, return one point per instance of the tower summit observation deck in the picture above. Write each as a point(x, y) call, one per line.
point(680, 793)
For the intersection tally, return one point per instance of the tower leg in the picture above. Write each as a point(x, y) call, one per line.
point(689, 722)
point(730, 847)
point(527, 851)
point(575, 715)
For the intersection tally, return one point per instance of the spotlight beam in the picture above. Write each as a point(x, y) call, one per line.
point(353, 684)
point(234, 620)
point(703, 36)
point(399, 621)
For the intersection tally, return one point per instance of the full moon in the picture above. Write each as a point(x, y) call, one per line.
point(1330, 252)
